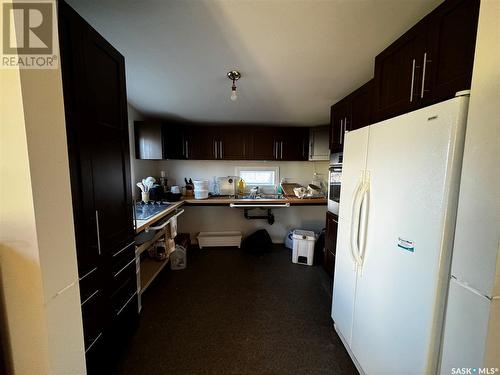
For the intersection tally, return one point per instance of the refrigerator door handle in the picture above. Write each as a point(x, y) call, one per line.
point(355, 217)
point(363, 221)
point(357, 247)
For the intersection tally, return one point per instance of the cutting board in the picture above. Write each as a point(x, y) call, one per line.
point(288, 188)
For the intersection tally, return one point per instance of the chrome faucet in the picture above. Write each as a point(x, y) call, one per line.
point(253, 192)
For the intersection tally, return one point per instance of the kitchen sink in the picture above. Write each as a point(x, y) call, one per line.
point(262, 196)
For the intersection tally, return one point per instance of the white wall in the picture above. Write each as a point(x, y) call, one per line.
point(40, 317)
point(197, 219)
point(294, 171)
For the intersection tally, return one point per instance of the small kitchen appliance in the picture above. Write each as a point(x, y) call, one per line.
point(228, 185)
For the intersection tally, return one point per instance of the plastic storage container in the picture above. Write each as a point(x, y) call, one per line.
point(200, 184)
point(289, 239)
point(178, 258)
point(200, 194)
point(303, 247)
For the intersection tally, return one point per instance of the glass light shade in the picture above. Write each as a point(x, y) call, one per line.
point(234, 96)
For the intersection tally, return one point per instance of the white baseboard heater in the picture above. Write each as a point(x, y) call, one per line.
point(218, 239)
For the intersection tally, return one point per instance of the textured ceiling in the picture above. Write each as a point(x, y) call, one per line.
point(296, 57)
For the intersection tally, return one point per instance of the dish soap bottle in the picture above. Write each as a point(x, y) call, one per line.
point(280, 190)
point(241, 186)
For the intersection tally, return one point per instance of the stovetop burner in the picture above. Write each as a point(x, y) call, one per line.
point(144, 211)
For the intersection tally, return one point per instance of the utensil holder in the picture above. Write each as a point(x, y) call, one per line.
point(145, 196)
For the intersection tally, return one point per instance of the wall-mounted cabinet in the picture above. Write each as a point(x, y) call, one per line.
point(175, 142)
point(148, 145)
point(154, 140)
point(429, 63)
point(233, 143)
point(291, 143)
point(319, 143)
point(351, 113)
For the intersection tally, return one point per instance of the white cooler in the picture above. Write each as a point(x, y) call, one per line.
point(303, 246)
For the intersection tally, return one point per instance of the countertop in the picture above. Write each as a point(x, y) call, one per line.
point(224, 201)
point(220, 201)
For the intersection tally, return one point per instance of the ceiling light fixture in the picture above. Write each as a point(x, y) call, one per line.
point(234, 75)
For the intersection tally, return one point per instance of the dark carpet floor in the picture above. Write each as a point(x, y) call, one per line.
point(231, 312)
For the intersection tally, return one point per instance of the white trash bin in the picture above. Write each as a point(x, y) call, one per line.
point(303, 246)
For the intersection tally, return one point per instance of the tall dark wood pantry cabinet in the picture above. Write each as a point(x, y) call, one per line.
point(96, 121)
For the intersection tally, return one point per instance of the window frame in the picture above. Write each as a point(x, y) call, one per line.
point(250, 168)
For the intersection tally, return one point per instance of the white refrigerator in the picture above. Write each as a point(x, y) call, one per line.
point(398, 204)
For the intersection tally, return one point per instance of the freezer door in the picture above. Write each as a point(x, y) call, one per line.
point(344, 283)
point(414, 163)
point(465, 330)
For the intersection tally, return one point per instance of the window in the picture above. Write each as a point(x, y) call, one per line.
point(259, 176)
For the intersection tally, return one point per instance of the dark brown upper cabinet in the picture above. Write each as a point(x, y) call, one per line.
point(201, 142)
point(295, 144)
point(217, 142)
point(397, 74)
point(233, 143)
point(280, 143)
point(361, 106)
point(339, 115)
point(351, 113)
point(148, 140)
point(175, 141)
point(429, 63)
point(264, 143)
point(451, 50)
point(154, 140)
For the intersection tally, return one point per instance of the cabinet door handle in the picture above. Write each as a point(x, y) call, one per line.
point(124, 268)
point(122, 249)
point(275, 152)
point(340, 135)
point(187, 149)
point(88, 273)
point(98, 232)
point(215, 149)
point(221, 153)
point(134, 215)
point(281, 148)
point(126, 303)
point(93, 342)
point(412, 80)
point(422, 90)
point(90, 297)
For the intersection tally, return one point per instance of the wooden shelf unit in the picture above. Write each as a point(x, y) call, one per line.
point(150, 268)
